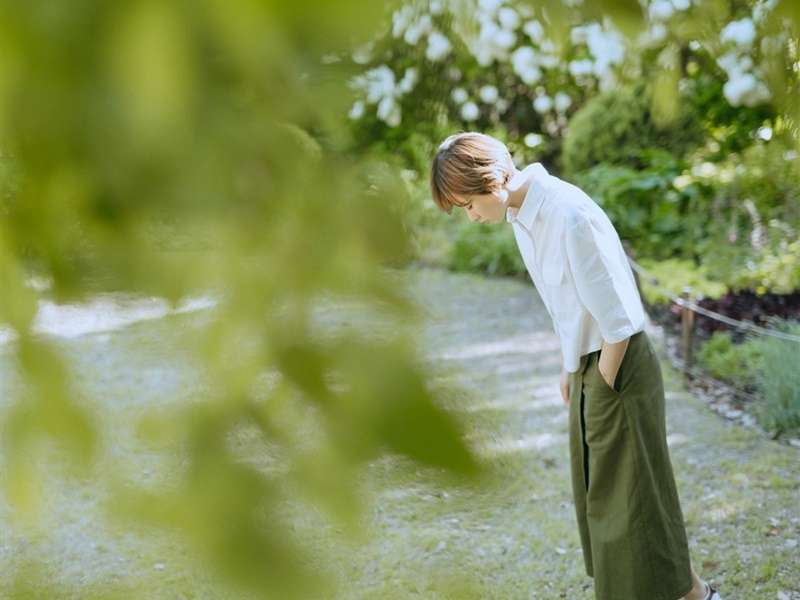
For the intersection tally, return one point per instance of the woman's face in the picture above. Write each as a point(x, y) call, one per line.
point(486, 208)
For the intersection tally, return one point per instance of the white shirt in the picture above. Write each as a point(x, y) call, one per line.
point(577, 263)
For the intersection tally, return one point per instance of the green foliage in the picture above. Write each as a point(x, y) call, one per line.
point(489, 249)
point(764, 363)
point(778, 379)
point(672, 275)
point(768, 174)
point(754, 229)
point(729, 127)
point(121, 128)
point(736, 363)
point(617, 126)
point(774, 268)
point(657, 220)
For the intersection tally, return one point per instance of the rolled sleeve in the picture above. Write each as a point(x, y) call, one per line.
point(598, 279)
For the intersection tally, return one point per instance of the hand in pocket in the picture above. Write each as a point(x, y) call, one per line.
point(605, 372)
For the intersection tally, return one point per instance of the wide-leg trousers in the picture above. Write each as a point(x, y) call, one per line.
point(629, 515)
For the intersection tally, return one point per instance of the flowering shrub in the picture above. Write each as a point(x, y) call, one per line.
point(483, 61)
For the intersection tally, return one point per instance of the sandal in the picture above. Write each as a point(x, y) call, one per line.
point(711, 593)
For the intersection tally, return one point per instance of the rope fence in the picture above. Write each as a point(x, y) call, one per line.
point(689, 304)
point(688, 309)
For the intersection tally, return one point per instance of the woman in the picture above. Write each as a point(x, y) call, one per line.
point(626, 502)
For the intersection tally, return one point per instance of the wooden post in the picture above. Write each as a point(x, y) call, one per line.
point(687, 333)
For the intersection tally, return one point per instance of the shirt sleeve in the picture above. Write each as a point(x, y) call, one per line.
point(593, 267)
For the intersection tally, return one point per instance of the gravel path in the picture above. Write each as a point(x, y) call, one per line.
point(739, 490)
point(513, 539)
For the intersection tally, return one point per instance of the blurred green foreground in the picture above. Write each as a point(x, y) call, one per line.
point(171, 150)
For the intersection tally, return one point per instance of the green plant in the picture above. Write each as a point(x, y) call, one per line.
point(673, 274)
point(778, 378)
point(735, 363)
point(656, 218)
point(487, 249)
point(616, 126)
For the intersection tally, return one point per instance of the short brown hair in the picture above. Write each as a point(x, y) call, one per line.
point(471, 163)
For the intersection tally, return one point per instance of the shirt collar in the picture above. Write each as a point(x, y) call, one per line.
point(534, 197)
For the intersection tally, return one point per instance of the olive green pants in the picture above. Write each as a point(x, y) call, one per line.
point(629, 515)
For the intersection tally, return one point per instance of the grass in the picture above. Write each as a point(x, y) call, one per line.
point(422, 537)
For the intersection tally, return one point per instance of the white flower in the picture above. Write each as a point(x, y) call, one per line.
point(682, 181)
point(508, 18)
point(579, 68)
point(408, 81)
point(562, 101)
point(705, 169)
point(470, 111)
point(745, 89)
point(357, 110)
point(762, 8)
point(492, 43)
point(765, 133)
point(547, 60)
point(656, 33)
point(401, 19)
point(681, 4)
point(524, 63)
point(419, 28)
point(532, 140)
point(438, 46)
point(661, 10)
point(501, 105)
point(741, 32)
point(543, 104)
point(389, 111)
point(459, 95)
point(505, 39)
point(489, 6)
point(377, 83)
point(533, 29)
point(607, 47)
point(729, 62)
point(488, 93)
point(437, 7)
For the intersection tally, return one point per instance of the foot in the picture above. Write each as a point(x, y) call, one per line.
point(699, 592)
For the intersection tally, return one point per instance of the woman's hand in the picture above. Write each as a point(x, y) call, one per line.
point(564, 386)
point(610, 359)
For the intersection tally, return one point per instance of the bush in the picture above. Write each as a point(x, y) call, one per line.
point(673, 274)
point(616, 126)
point(647, 210)
point(778, 379)
point(487, 249)
point(736, 363)
point(754, 220)
point(764, 363)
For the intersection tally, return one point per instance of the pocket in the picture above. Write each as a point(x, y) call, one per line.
point(602, 379)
